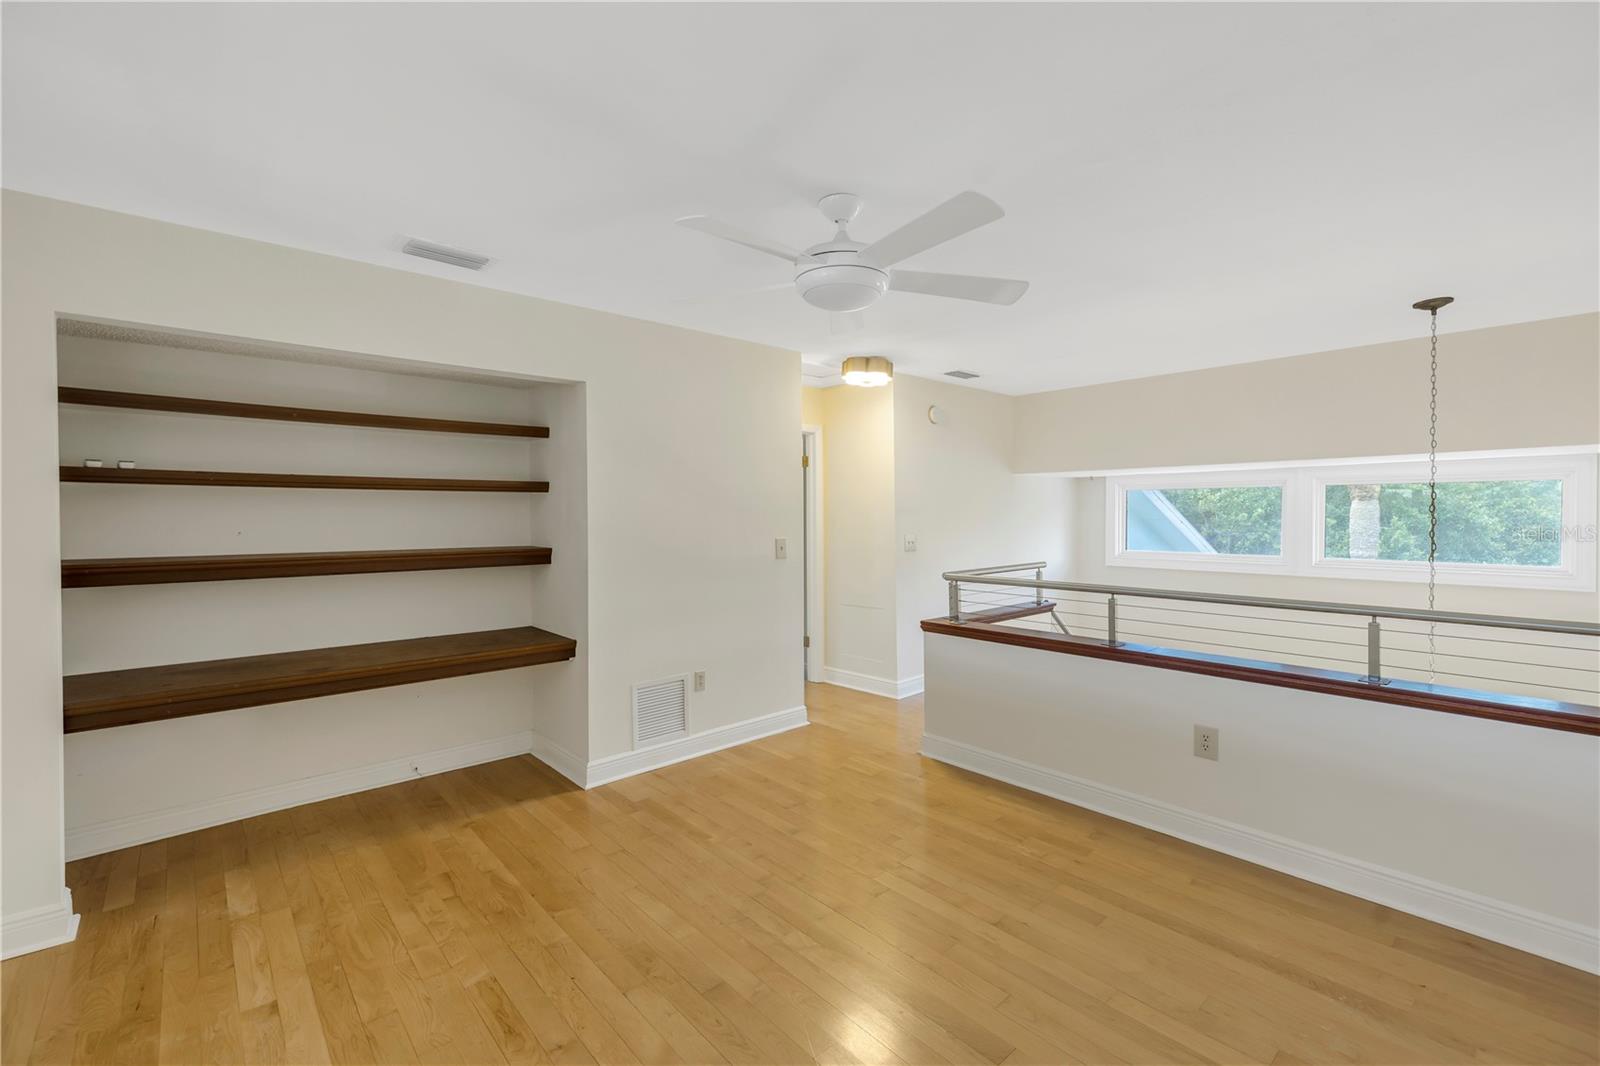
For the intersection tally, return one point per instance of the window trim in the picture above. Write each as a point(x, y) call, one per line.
point(1117, 522)
point(1304, 500)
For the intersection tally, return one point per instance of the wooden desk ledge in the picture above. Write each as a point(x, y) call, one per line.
point(157, 693)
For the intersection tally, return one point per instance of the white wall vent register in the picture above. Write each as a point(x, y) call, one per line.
point(660, 711)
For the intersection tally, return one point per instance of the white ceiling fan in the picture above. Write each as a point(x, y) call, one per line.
point(843, 275)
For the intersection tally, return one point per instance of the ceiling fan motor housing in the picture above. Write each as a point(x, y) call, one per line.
point(832, 276)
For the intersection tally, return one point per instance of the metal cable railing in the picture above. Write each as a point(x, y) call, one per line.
point(1489, 653)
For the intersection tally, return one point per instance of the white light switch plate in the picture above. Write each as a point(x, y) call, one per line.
point(780, 548)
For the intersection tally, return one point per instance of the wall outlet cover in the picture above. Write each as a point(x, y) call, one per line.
point(1207, 742)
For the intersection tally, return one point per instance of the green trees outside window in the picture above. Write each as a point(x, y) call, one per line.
point(1498, 523)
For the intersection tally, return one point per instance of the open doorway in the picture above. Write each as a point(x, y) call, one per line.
point(811, 550)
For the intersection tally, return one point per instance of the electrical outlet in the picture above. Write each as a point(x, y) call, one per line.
point(911, 544)
point(1207, 740)
point(780, 548)
point(699, 680)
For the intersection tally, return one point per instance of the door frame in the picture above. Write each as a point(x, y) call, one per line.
point(814, 619)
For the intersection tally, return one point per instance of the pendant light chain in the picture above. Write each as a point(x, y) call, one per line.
point(1433, 473)
point(1432, 305)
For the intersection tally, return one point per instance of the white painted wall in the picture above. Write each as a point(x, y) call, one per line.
point(956, 494)
point(135, 782)
point(1487, 826)
point(689, 444)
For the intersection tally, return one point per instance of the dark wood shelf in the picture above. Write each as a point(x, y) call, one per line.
point(107, 475)
point(157, 693)
point(165, 569)
point(228, 409)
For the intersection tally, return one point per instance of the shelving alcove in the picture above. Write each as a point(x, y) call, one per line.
point(157, 693)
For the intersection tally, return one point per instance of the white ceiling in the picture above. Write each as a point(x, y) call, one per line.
point(1186, 185)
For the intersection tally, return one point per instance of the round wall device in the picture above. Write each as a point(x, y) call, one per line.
point(935, 414)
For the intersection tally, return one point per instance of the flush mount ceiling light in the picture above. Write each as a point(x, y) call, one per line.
point(867, 371)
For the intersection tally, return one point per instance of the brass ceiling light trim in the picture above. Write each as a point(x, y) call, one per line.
point(867, 371)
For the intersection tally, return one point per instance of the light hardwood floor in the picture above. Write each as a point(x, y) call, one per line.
point(824, 895)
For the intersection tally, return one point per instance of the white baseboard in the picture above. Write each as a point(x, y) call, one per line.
point(629, 763)
point(39, 928)
point(559, 759)
point(1553, 938)
point(878, 686)
point(110, 835)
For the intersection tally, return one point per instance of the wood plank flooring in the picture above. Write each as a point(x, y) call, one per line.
point(821, 896)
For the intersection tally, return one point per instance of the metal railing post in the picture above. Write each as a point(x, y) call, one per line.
point(1038, 590)
point(955, 601)
point(1111, 621)
point(1374, 653)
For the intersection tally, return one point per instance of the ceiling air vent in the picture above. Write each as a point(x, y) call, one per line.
point(964, 375)
point(659, 711)
point(440, 254)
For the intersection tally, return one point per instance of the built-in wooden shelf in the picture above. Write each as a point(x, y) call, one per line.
point(195, 406)
point(108, 475)
point(166, 569)
point(156, 693)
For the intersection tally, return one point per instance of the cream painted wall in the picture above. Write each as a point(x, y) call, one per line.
point(858, 468)
point(955, 493)
point(689, 448)
point(1489, 826)
point(1522, 386)
point(813, 406)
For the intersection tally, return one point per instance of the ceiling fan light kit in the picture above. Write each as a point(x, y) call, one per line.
point(841, 275)
point(841, 286)
point(867, 371)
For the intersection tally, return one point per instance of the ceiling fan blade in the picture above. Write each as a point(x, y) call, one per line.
point(960, 214)
point(708, 225)
point(960, 286)
point(709, 297)
point(842, 322)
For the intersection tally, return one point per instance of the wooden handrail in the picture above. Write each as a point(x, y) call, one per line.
point(1474, 703)
point(1011, 612)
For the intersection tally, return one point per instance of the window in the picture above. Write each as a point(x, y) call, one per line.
point(1525, 521)
point(1244, 520)
point(1496, 523)
point(1215, 523)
